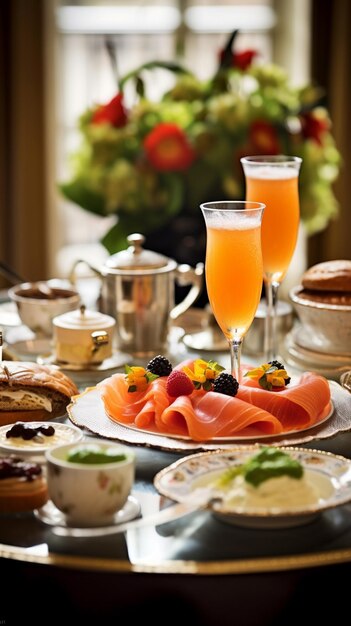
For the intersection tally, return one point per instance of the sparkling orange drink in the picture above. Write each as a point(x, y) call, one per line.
point(274, 181)
point(234, 269)
point(278, 189)
point(234, 277)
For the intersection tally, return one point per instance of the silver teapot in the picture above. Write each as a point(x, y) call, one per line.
point(138, 291)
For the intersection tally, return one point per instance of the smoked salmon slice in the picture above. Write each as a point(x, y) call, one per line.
point(141, 408)
point(209, 415)
point(203, 416)
point(296, 407)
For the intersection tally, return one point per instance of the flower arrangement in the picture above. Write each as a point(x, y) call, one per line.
point(147, 164)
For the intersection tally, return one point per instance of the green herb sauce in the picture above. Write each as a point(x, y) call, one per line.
point(95, 455)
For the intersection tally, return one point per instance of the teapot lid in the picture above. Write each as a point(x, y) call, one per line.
point(135, 257)
point(83, 318)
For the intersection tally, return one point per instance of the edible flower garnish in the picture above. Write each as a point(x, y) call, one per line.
point(270, 375)
point(203, 373)
point(138, 378)
point(270, 462)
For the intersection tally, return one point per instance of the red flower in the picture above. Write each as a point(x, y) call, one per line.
point(168, 149)
point(314, 127)
point(241, 60)
point(111, 113)
point(264, 138)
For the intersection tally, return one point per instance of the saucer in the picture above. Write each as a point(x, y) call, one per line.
point(51, 515)
point(303, 358)
point(116, 360)
point(207, 340)
point(30, 348)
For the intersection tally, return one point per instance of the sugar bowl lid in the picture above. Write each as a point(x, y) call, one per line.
point(135, 257)
point(83, 318)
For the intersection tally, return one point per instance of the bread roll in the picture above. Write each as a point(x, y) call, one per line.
point(29, 391)
point(331, 276)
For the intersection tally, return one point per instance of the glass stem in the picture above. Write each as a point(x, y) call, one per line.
point(270, 338)
point(235, 354)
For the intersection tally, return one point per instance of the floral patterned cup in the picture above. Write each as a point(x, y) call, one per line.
point(89, 494)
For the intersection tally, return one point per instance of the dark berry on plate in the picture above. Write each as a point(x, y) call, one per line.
point(226, 383)
point(15, 430)
point(14, 466)
point(29, 433)
point(160, 366)
point(276, 364)
point(48, 431)
point(280, 366)
point(179, 384)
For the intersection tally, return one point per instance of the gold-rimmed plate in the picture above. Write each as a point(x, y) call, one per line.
point(328, 475)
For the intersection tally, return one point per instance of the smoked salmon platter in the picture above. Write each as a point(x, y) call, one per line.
point(205, 419)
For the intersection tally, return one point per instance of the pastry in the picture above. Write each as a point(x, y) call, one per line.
point(22, 485)
point(29, 391)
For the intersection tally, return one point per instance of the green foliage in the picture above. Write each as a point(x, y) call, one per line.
point(111, 174)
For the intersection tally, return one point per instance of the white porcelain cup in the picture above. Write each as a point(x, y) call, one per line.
point(89, 494)
point(39, 302)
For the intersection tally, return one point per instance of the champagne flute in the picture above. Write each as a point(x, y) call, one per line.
point(274, 181)
point(234, 268)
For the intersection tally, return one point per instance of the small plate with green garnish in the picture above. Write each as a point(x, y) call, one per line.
point(260, 486)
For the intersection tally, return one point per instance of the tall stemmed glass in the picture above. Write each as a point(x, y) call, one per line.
point(234, 269)
point(274, 181)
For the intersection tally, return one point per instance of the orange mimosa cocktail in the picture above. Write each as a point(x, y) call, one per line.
point(273, 180)
point(279, 192)
point(234, 277)
point(234, 269)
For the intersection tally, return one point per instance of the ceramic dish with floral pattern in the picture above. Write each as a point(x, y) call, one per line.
point(321, 481)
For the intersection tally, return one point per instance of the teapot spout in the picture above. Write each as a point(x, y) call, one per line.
point(187, 275)
point(72, 277)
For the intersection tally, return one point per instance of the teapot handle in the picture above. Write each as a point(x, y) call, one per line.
point(188, 275)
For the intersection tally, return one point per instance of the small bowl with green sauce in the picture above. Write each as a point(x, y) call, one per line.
point(90, 481)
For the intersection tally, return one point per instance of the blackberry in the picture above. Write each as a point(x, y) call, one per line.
point(226, 383)
point(277, 364)
point(160, 366)
point(280, 366)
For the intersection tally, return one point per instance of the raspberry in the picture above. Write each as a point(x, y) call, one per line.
point(226, 383)
point(179, 384)
point(159, 365)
